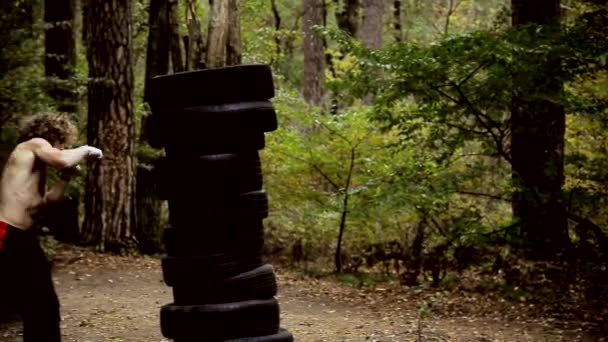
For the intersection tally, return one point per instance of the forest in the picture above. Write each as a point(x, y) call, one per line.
point(433, 145)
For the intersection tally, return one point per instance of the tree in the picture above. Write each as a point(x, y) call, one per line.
point(314, 58)
point(234, 45)
point(110, 184)
point(224, 36)
point(537, 137)
point(277, 25)
point(157, 59)
point(60, 55)
point(149, 218)
point(20, 81)
point(175, 45)
point(397, 27)
point(371, 25)
point(371, 28)
point(347, 16)
point(195, 48)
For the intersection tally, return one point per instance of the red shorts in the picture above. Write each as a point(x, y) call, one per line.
point(3, 228)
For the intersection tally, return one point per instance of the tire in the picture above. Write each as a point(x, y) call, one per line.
point(246, 238)
point(220, 321)
point(215, 126)
point(179, 270)
point(253, 203)
point(211, 174)
point(259, 283)
point(220, 119)
point(214, 209)
point(282, 336)
point(190, 143)
point(241, 83)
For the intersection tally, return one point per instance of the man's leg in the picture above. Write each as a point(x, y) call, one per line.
point(40, 309)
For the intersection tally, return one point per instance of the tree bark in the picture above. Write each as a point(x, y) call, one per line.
point(371, 31)
point(314, 58)
point(397, 18)
point(175, 45)
point(277, 26)
point(60, 53)
point(234, 44)
point(338, 254)
point(196, 47)
point(218, 33)
point(537, 145)
point(157, 63)
point(110, 184)
point(157, 59)
point(347, 16)
point(149, 221)
point(371, 25)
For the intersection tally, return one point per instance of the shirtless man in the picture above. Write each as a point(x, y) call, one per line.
point(24, 270)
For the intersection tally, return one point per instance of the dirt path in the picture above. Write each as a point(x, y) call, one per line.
point(118, 299)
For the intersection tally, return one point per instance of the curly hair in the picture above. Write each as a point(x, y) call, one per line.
point(53, 127)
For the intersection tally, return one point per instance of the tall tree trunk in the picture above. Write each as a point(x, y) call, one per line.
point(175, 45)
point(217, 36)
point(196, 48)
point(314, 58)
point(397, 18)
point(277, 27)
point(537, 143)
point(371, 30)
point(157, 59)
point(149, 205)
point(149, 218)
point(233, 46)
point(60, 54)
point(110, 186)
point(371, 25)
point(347, 16)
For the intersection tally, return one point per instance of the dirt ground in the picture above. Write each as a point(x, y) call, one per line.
point(111, 298)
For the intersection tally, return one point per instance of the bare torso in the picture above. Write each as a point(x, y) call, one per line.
point(22, 187)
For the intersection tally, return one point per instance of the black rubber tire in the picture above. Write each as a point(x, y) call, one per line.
point(220, 119)
point(214, 209)
point(245, 237)
point(211, 174)
point(240, 83)
point(248, 206)
point(192, 143)
point(259, 283)
point(216, 126)
point(282, 336)
point(253, 203)
point(205, 268)
point(224, 321)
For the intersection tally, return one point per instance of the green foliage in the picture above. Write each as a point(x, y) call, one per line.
point(21, 76)
point(263, 43)
point(395, 182)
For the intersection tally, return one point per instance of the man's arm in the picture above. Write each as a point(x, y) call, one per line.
point(57, 191)
point(61, 159)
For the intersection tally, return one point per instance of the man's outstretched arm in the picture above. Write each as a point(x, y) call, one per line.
point(61, 159)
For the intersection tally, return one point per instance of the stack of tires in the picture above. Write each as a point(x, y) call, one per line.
point(211, 124)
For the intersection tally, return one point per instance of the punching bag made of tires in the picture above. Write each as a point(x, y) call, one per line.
point(212, 124)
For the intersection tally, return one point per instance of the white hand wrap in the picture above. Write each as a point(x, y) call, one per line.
point(93, 151)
